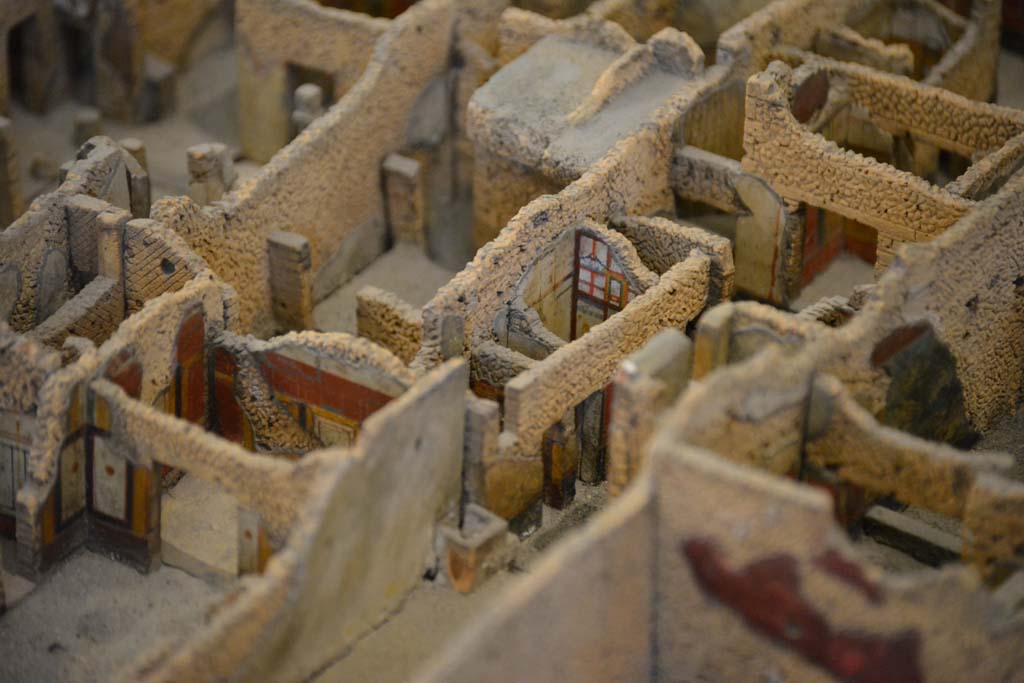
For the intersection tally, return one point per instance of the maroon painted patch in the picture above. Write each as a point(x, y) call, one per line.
point(850, 572)
point(126, 372)
point(810, 96)
point(313, 387)
point(767, 595)
point(229, 419)
point(193, 404)
point(191, 337)
point(224, 362)
point(897, 340)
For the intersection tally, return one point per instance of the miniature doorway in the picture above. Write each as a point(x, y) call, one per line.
point(79, 62)
point(827, 235)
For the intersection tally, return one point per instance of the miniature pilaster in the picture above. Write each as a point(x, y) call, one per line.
point(474, 550)
point(561, 454)
point(291, 280)
point(110, 248)
point(211, 172)
point(404, 197)
point(136, 148)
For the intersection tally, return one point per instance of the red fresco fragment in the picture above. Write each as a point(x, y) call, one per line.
point(126, 372)
point(766, 594)
point(850, 572)
point(314, 387)
point(897, 340)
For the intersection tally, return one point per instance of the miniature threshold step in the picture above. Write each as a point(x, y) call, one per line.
point(199, 531)
point(921, 540)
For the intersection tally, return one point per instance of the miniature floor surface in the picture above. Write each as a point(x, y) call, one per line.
point(839, 279)
point(434, 613)
point(199, 529)
point(405, 271)
point(207, 110)
point(92, 616)
point(15, 586)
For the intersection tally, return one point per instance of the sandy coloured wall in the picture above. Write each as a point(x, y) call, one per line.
point(803, 166)
point(148, 339)
point(318, 185)
point(539, 397)
point(387, 320)
point(270, 36)
point(631, 178)
point(701, 619)
point(359, 547)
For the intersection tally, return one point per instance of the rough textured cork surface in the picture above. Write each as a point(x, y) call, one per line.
point(624, 169)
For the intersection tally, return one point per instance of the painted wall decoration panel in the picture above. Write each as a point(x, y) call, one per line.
point(72, 479)
point(109, 481)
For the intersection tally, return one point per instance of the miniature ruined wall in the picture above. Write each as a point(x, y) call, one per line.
point(539, 397)
point(715, 121)
point(803, 166)
point(274, 489)
point(714, 623)
point(969, 66)
point(93, 313)
point(272, 35)
point(142, 357)
point(987, 175)
point(156, 260)
point(747, 46)
point(318, 186)
point(547, 285)
point(662, 243)
point(548, 288)
point(519, 29)
point(387, 320)
point(359, 547)
point(735, 331)
point(963, 286)
point(631, 178)
point(584, 639)
point(34, 280)
point(831, 615)
point(53, 250)
point(643, 387)
point(935, 115)
point(966, 283)
point(301, 391)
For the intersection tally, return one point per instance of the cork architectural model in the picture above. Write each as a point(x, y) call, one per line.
point(536, 340)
